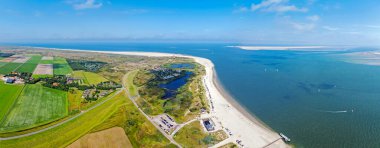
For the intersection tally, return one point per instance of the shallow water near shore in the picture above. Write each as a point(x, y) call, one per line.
point(311, 97)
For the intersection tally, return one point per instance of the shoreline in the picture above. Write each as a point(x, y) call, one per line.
point(278, 47)
point(244, 126)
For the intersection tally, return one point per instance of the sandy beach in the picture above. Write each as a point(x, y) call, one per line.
point(226, 110)
point(277, 47)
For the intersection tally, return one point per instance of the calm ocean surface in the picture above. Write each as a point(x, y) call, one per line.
point(313, 98)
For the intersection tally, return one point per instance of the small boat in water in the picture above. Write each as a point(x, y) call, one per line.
point(286, 139)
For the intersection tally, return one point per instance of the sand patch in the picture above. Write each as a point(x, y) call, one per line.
point(114, 137)
point(44, 69)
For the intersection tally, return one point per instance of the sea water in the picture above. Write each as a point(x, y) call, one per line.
point(311, 97)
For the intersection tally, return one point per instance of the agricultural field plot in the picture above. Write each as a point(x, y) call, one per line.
point(61, 67)
point(113, 137)
point(27, 67)
point(36, 105)
point(2, 64)
point(21, 59)
point(8, 59)
point(8, 94)
point(43, 69)
point(30, 65)
point(89, 77)
point(47, 58)
point(35, 59)
point(69, 132)
point(9, 67)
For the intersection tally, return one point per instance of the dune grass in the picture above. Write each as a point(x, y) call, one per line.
point(8, 95)
point(67, 133)
point(132, 88)
point(36, 105)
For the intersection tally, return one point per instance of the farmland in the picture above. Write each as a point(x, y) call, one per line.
point(61, 67)
point(35, 106)
point(9, 67)
point(89, 77)
point(8, 94)
point(71, 130)
point(30, 65)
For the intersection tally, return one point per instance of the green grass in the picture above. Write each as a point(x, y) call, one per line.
point(133, 90)
point(75, 99)
point(35, 59)
point(2, 63)
point(191, 135)
point(46, 62)
point(27, 67)
point(61, 67)
point(30, 65)
point(36, 105)
point(41, 76)
point(9, 67)
point(67, 133)
point(8, 94)
point(89, 77)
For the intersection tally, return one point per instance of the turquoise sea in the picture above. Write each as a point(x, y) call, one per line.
point(312, 97)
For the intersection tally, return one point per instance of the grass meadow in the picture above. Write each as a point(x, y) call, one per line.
point(36, 105)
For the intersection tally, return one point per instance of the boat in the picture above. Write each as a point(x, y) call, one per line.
point(286, 139)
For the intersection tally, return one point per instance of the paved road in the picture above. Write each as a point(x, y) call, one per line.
point(63, 122)
point(146, 116)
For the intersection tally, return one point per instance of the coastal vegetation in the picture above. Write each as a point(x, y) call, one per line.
point(192, 135)
point(183, 103)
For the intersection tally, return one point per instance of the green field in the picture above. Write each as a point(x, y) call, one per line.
point(30, 65)
point(35, 106)
point(46, 62)
point(132, 88)
point(9, 67)
point(61, 67)
point(67, 133)
point(2, 63)
point(8, 94)
point(27, 67)
point(89, 77)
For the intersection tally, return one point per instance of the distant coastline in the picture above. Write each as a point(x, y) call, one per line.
point(278, 47)
point(228, 111)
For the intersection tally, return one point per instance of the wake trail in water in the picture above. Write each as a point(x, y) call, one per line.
point(336, 111)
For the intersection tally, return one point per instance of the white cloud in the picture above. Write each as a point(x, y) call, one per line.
point(313, 18)
point(86, 4)
point(276, 6)
point(373, 26)
point(330, 28)
point(302, 26)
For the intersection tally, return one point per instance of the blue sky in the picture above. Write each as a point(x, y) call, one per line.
point(314, 22)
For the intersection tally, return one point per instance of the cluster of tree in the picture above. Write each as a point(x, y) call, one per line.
point(4, 55)
point(26, 76)
point(93, 66)
point(107, 85)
